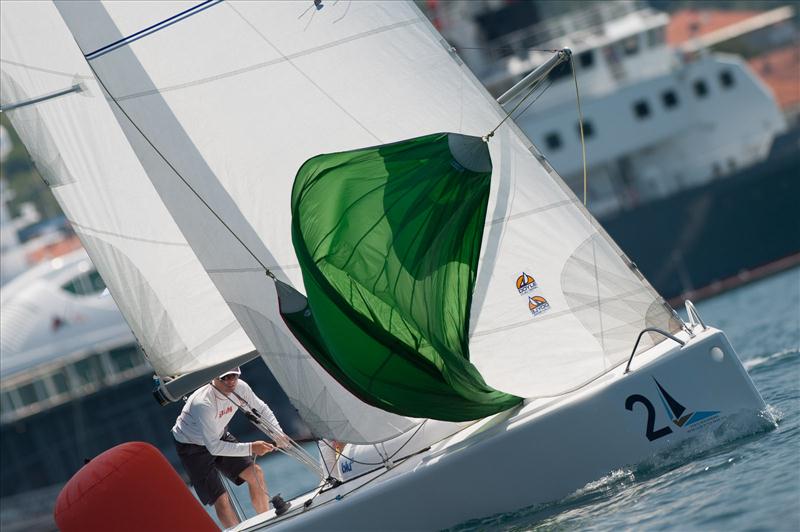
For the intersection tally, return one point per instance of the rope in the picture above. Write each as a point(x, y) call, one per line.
point(583, 141)
point(262, 485)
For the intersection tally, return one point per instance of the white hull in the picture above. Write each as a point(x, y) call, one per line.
point(545, 450)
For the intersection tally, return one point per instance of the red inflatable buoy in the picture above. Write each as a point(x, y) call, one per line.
point(130, 487)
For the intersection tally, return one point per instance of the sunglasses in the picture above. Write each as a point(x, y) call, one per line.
point(226, 378)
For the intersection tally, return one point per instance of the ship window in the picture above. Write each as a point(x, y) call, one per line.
point(552, 141)
point(726, 79)
point(631, 45)
point(670, 98)
point(588, 129)
point(27, 394)
point(655, 37)
point(5, 402)
point(586, 59)
point(60, 383)
point(86, 284)
point(641, 109)
point(89, 370)
point(700, 88)
point(125, 358)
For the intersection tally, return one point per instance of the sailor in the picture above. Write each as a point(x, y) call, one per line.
point(206, 448)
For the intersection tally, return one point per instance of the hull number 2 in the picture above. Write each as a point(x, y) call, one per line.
point(651, 433)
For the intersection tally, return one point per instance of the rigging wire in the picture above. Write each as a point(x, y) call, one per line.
point(504, 49)
point(583, 141)
point(388, 458)
point(534, 86)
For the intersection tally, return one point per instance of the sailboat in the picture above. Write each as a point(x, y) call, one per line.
point(416, 276)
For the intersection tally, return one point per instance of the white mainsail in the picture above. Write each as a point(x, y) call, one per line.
point(174, 309)
point(170, 303)
point(223, 102)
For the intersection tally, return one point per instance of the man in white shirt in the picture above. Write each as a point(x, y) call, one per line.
point(206, 448)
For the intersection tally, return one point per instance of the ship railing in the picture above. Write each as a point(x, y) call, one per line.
point(588, 20)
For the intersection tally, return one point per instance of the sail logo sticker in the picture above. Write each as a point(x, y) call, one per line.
point(347, 466)
point(537, 305)
point(525, 283)
point(675, 411)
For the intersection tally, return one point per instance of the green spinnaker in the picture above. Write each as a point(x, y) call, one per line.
point(388, 240)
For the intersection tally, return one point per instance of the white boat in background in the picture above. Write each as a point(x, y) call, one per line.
point(61, 337)
point(428, 290)
point(69, 364)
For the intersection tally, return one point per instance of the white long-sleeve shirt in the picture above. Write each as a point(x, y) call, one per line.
point(206, 415)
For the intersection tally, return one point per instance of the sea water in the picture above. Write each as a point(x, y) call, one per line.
point(748, 481)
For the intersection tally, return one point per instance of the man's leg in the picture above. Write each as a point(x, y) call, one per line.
point(225, 512)
point(254, 477)
point(203, 475)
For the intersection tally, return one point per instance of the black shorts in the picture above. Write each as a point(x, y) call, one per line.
point(204, 468)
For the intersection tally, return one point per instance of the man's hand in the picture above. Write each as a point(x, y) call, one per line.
point(283, 441)
point(260, 448)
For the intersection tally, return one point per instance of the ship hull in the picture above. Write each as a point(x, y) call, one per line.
point(704, 240)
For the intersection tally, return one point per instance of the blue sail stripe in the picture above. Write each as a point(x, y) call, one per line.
point(151, 29)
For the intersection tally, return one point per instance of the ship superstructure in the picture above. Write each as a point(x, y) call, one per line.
point(690, 134)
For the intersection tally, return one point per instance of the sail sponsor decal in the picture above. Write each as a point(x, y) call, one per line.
point(527, 286)
point(525, 283)
point(681, 417)
point(537, 305)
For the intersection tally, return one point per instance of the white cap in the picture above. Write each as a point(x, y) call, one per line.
point(234, 371)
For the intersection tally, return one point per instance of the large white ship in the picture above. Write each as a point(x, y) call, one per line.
point(689, 157)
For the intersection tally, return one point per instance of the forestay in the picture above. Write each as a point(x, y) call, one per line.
point(176, 313)
point(232, 98)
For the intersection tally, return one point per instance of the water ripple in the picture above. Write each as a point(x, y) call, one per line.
point(763, 363)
